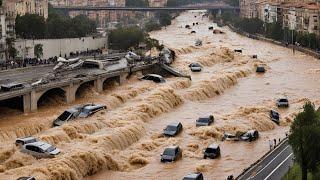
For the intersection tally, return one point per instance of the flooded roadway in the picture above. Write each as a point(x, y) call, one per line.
point(126, 142)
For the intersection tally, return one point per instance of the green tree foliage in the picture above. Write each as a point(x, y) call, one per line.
point(304, 139)
point(137, 3)
point(38, 50)
point(56, 26)
point(165, 19)
point(12, 51)
point(152, 26)
point(233, 2)
point(125, 37)
point(252, 26)
point(274, 31)
point(30, 26)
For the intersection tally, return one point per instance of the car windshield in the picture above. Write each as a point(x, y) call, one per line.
point(204, 120)
point(64, 116)
point(169, 152)
point(211, 150)
point(51, 148)
point(283, 100)
point(86, 110)
point(171, 128)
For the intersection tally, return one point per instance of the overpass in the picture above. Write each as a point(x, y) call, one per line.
point(66, 84)
point(112, 8)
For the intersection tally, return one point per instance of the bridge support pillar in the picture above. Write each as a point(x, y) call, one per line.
point(27, 103)
point(34, 101)
point(70, 93)
point(98, 84)
point(122, 78)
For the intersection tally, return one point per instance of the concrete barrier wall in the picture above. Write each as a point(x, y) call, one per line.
point(54, 47)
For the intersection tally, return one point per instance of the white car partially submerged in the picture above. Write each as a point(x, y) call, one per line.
point(40, 149)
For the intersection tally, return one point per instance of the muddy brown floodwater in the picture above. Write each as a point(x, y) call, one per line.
point(125, 142)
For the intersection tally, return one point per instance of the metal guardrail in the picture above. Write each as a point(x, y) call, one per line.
point(255, 164)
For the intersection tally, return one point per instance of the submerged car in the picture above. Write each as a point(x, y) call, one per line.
point(250, 135)
point(195, 67)
point(153, 77)
point(193, 32)
point(229, 137)
point(40, 149)
point(171, 154)
point(198, 42)
point(25, 140)
point(78, 111)
point(88, 110)
point(67, 115)
point(205, 121)
point(260, 69)
point(194, 176)
point(212, 151)
point(173, 129)
point(275, 117)
point(26, 178)
point(187, 26)
point(238, 50)
point(12, 86)
point(282, 102)
point(210, 27)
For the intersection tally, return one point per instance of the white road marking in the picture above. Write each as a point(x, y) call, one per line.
point(270, 162)
point(278, 166)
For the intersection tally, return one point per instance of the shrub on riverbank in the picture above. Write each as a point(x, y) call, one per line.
point(295, 174)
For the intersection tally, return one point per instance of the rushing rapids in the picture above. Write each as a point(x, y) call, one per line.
point(125, 140)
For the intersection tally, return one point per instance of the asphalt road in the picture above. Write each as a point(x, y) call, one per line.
point(272, 167)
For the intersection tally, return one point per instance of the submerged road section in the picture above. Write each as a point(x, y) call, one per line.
point(273, 166)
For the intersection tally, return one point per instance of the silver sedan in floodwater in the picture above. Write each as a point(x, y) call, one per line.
point(40, 150)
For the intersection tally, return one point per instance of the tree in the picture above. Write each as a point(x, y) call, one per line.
point(165, 19)
point(125, 37)
point(38, 50)
point(152, 26)
point(30, 26)
point(304, 139)
point(11, 50)
point(274, 31)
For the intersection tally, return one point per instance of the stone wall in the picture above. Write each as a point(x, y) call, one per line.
point(55, 47)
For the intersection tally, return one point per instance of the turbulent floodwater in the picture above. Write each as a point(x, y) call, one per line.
point(125, 142)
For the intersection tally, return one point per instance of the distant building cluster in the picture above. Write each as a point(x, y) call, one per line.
point(8, 13)
point(299, 15)
point(103, 17)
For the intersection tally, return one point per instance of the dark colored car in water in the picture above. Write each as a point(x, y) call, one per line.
point(275, 116)
point(173, 129)
point(193, 176)
point(195, 67)
point(260, 69)
point(153, 77)
point(171, 154)
point(282, 102)
point(250, 135)
point(26, 178)
point(212, 151)
point(88, 110)
point(78, 111)
point(205, 121)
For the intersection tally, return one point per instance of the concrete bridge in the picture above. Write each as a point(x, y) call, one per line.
point(65, 86)
point(111, 8)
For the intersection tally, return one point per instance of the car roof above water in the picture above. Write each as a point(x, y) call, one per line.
point(213, 146)
point(40, 144)
point(174, 124)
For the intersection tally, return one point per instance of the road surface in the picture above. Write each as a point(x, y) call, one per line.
point(274, 166)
